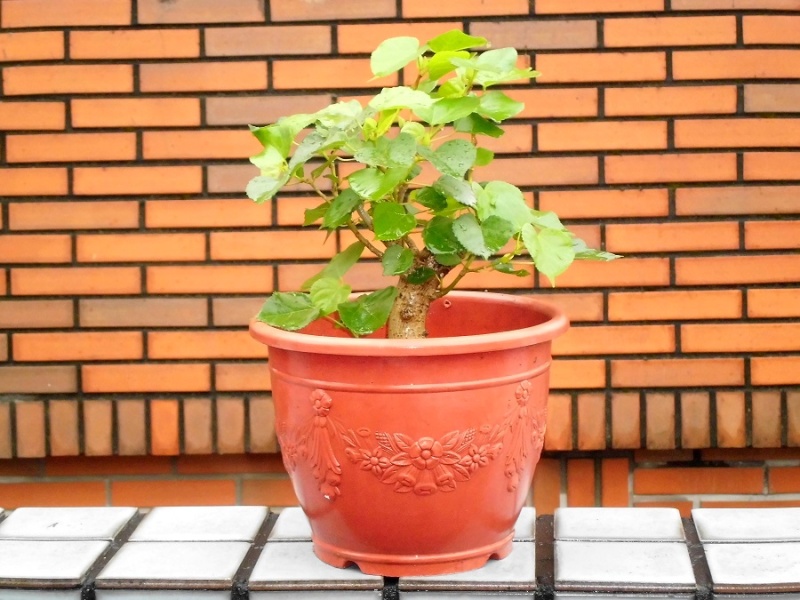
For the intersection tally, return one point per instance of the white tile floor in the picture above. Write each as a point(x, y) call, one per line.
point(201, 523)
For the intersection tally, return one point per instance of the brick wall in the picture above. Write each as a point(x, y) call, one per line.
point(130, 261)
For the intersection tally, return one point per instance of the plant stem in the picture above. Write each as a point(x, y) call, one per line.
point(360, 236)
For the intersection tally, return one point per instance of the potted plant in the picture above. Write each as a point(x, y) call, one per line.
point(411, 418)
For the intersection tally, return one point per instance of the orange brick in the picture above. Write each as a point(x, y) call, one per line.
point(95, 181)
point(608, 66)
point(98, 428)
point(261, 425)
point(462, 8)
point(168, 492)
point(67, 79)
point(547, 486)
point(199, 144)
point(242, 377)
point(771, 165)
point(602, 135)
point(232, 463)
point(578, 306)
point(675, 305)
point(364, 38)
point(558, 435)
point(38, 380)
point(260, 110)
point(784, 480)
point(737, 269)
point(557, 102)
point(138, 43)
point(200, 11)
point(272, 245)
point(773, 303)
point(164, 428)
point(62, 421)
point(767, 420)
point(49, 13)
point(793, 419)
point(362, 277)
point(566, 170)
point(135, 112)
point(162, 377)
point(268, 492)
point(329, 73)
point(268, 41)
point(615, 473)
point(772, 98)
point(736, 64)
point(327, 10)
point(131, 428)
point(203, 76)
point(684, 100)
point(36, 248)
point(84, 345)
point(670, 168)
point(108, 465)
point(74, 215)
point(625, 421)
point(141, 247)
point(578, 374)
point(6, 450)
point(767, 235)
point(229, 178)
point(735, 5)
point(671, 237)
point(197, 434)
point(37, 45)
point(751, 504)
point(740, 337)
point(544, 7)
point(740, 200)
point(597, 204)
point(660, 421)
point(31, 115)
point(616, 339)
point(33, 182)
point(737, 133)
point(591, 421)
point(580, 482)
point(70, 147)
point(775, 370)
point(677, 372)
point(695, 420)
point(669, 31)
point(143, 312)
point(699, 480)
point(209, 279)
point(203, 344)
point(749, 454)
point(763, 29)
point(629, 272)
point(72, 493)
point(230, 425)
point(68, 281)
point(539, 35)
point(731, 428)
point(205, 213)
point(30, 427)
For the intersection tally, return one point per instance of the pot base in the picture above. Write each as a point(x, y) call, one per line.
point(388, 565)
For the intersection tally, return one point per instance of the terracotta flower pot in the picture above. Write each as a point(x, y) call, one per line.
point(414, 457)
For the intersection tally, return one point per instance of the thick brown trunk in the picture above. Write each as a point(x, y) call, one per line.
point(410, 310)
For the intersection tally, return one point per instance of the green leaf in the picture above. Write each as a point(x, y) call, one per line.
point(504, 200)
point(338, 265)
point(373, 184)
point(402, 150)
point(550, 249)
point(393, 54)
point(327, 293)
point(400, 97)
point(457, 189)
point(496, 233)
point(547, 220)
point(392, 221)
point(468, 232)
point(414, 129)
point(341, 115)
point(440, 238)
point(368, 313)
point(583, 252)
point(340, 209)
point(447, 110)
point(455, 39)
point(260, 189)
point(420, 275)
point(483, 157)
point(312, 215)
point(291, 311)
point(497, 106)
point(440, 64)
point(510, 269)
point(431, 198)
point(270, 162)
point(308, 148)
point(455, 157)
point(397, 260)
point(477, 125)
point(448, 260)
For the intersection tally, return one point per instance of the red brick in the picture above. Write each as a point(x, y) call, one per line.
point(675, 305)
point(735, 5)
point(695, 420)
point(44, 379)
point(32, 216)
point(6, 451)
point(272, 245)
point(62, 421)
point(67, 79)
point(68, 281)
point(740, 337)
point(557, 102)
point(699, 480)
point(164, 428)
point(54, 493)
point(216, 464)
point(547, 486)
point(128, 181)
point(98, 428)
point(143, 312)
point(167, 492)
point(793, 418)
point(737, 269)
point(30, 427)
point(771, 165)
point(773, 29)
point(615, 475)
point(70, 147)
point(598, 204)
point(364, 38)
point(260, 110)
point(268, 41)
point(199, 144)
point(55, 13)
point(229, 178)
point(328, 73)
point(670, 168)
point(558, 435)
point(268, 492)
point(625, 421)
point(37, 45)
point(751, 504)
point(197, 435)
point(205, 213)
point(162, 377)
point(82, 346)
point(31, 115)
point(566, 170)
point(261, 425)
point(677, 372)
point(784, 480)
point(214, 279)
point(737, 133)
point(635, 272)
point(616, 339)
point(766, 420)
point(684, 100)
point(731, 455)
point(767, 235)
point(602, 135)
point(775, 370)
point(203, 76)
point(36, 248)
point(131, 428)
point(47, 181)
point(773, 303)
point(740, 200)
point(672, 237)
point(230, 425)
point(597, 6)
point(578, 374)
point(578, 306)
point(591, 421)
point(242, 377)
point(669, 31)
point(134, 43)
point(107, 465)
point(462, 8)
point(731, 427)
point(203, 344)
point(580, 482)
point(200, 11)
point(736, 64)
point(141, 247)
point(772, 98)
point(606, 67)
point(538, 35)
point(328, 10)
point(660, 421)
point(135, 112)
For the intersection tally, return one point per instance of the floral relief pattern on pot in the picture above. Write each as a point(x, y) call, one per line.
point(423, 466)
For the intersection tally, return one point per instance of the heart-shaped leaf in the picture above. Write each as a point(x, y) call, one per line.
point(368, 313)
point(292, 311)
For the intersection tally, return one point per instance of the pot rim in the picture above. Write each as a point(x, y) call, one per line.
point(556, 324)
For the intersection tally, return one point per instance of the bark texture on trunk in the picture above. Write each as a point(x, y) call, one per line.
point(410, 310)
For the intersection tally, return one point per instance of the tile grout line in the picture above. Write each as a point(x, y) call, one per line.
point(240, 584)
point(702, 573)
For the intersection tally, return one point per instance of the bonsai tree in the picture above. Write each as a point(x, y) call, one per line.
point(398, 174)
